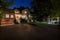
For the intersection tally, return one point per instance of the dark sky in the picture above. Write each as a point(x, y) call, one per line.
point(19, 3)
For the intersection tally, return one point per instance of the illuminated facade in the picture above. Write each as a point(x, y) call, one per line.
point(9, 17)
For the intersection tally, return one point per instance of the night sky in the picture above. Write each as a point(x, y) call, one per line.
point(19, 3)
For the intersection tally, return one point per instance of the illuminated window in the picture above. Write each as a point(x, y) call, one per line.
point(12, 16)
point(7, 15)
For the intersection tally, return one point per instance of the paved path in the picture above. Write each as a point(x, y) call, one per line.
point(27, 32)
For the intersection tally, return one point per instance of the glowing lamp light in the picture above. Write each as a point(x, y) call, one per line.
point(25, 12)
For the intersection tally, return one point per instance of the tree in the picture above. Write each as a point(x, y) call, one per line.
point(4, 6)
point(42, 8)
point(56, 7)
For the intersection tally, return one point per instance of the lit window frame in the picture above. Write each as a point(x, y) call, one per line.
point(7, 16)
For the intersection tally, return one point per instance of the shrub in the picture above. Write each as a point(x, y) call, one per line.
point(23, 21)
point(15, 21)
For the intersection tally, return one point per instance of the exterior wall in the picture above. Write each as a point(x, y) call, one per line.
point(8, 19)
point(9, 16)
point(18, 17)
point(16, 11)
point(5, 22)
point(24, 11)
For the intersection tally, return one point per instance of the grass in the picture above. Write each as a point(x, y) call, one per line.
point(43, 24)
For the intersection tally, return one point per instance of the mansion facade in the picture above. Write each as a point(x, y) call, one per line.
point(8, 18)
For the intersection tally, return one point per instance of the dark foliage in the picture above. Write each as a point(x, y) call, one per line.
point(42, 8)
point(15, 21)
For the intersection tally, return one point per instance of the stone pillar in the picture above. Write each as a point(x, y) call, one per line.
point(48, 20)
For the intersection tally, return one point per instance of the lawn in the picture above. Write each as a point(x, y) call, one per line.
point(40, 24)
